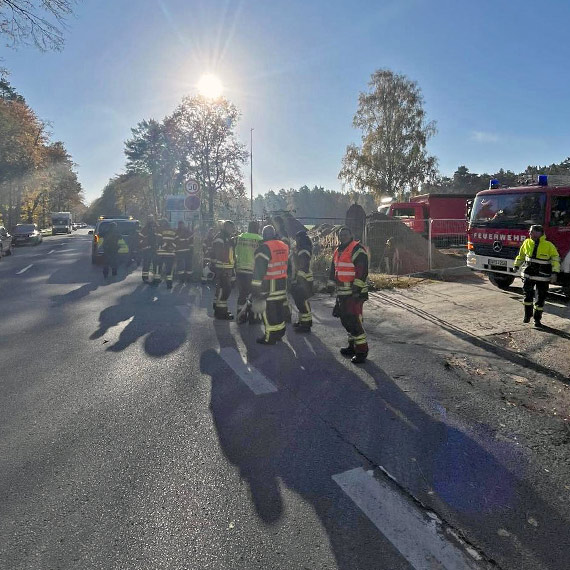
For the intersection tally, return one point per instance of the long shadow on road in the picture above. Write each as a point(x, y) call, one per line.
point(150, 313)
point(324, 411)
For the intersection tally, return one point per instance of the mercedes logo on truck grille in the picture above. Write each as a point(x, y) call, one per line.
point(497, 246)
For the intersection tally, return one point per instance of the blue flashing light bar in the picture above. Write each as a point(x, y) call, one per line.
point(542, 180)
point(494, 183)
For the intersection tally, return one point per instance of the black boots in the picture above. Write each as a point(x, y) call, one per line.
point(359, 358)
point(527, 313)
point(349, 350)
point(537, 318)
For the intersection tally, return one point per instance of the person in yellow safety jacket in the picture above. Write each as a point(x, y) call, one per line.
point(207, 273)
point(246, 245)
point(269, 285)
point(348, 274)
point(541, 267)
point(223, 258)
point(302, 280)
point(184, 252)
point(148, 244)
point(165, 254)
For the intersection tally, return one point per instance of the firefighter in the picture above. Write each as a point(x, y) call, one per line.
point(541, 267)
point(283, 235)
point(184, 252)
point(165, 254)
point(246, 244)
point(269, 285)
point(207, 274)
point(302, 280)
point(223, 258)
point(112, 247)
point(348, 274)
point(148, 244)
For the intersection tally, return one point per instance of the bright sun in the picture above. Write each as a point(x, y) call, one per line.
point(210, 86)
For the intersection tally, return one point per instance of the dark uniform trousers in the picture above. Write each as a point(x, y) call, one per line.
point(274, 315)
point(184, 264)
point(301, 291)
point(110, 260)
point(148, 262)
point(223, 289)
point(541, 292)
point(243, 279)
point(164, 265)
point(350, 310)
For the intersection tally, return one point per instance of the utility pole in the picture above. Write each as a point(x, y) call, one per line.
point(251, 171)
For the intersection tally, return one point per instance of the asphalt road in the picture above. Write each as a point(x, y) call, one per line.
point(137, 432)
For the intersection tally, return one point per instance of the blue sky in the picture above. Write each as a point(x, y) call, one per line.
point(493, 75)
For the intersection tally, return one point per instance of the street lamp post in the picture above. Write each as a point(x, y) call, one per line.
point(251, 171)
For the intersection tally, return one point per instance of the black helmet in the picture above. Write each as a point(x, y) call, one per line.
point(537, 228)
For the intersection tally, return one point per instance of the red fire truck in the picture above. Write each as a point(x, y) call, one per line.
point(445, 212)
point(499, 223)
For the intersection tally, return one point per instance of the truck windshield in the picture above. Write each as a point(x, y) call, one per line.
point(404, 213)
point(508, 210)
point(60, 221)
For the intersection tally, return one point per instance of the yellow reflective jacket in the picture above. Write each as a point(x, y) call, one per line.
point(540, 266)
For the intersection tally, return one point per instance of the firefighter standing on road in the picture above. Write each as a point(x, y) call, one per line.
point(541, 267)
point(207, 255)
point(148, 244)
point(112, 246)
point(165, 254)
point(184, 252)
point(223, 258)
point(270, 285)
point(246, 245)
point(348, 274)
point(302, 280)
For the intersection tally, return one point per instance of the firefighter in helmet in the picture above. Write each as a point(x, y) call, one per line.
point(223, 258)
point(302, 280)
point(348, 274)
point(269, 285)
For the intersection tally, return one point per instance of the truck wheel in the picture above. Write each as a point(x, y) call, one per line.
point(501, 281)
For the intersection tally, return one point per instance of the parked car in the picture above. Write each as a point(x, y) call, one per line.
point(128, 229)
point(5, 242)
point(26, 234)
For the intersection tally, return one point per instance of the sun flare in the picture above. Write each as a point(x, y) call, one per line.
point(210, 86)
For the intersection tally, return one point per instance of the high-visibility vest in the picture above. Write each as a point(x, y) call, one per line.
point(277, 267)
point(246, 245)
point(123, 246)
point(344, 269)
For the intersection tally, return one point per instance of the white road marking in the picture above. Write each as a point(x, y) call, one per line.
point(50, 251)
point(256, 381)
point(419, 537)
point(24, 270)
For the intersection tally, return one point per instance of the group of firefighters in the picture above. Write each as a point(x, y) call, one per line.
point(267, 267)
point(164, 251)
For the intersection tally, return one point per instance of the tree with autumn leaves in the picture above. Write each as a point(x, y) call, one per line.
point(36, 175)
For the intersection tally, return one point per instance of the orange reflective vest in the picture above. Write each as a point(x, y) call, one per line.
point(277, 267)
point(344, 270)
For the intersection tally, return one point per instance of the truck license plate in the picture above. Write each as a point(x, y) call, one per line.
point(498, 262)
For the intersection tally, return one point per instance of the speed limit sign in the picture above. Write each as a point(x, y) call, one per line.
point(192, 187)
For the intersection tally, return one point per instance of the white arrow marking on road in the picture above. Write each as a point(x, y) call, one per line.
point(256, 381)
point(24, 270)
point(418, 537)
